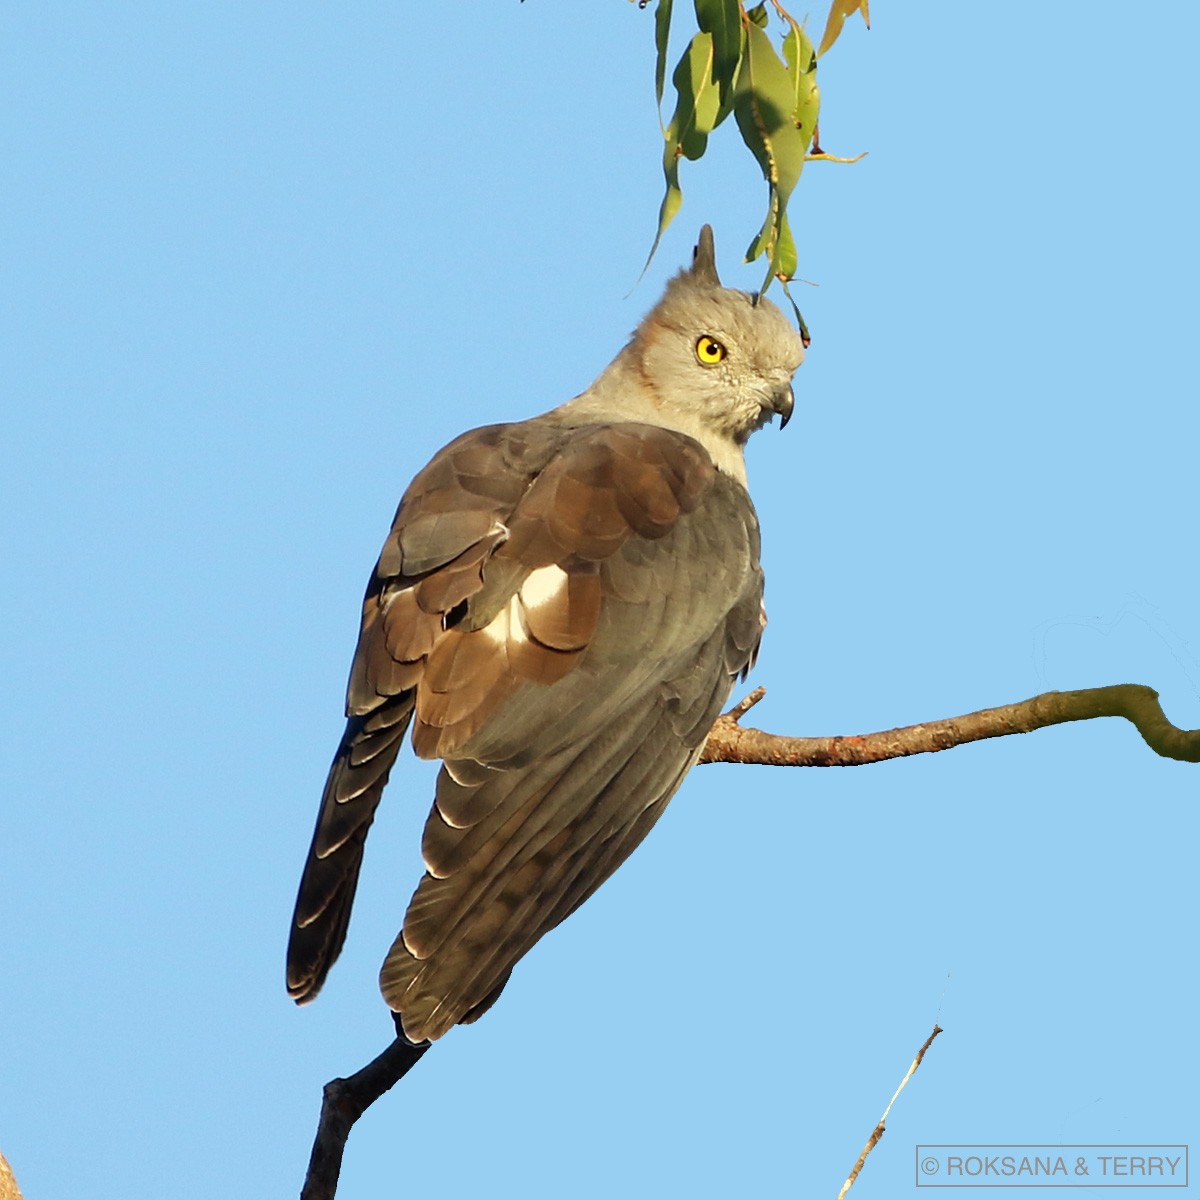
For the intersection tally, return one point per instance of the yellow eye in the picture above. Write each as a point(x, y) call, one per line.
point(709, 351)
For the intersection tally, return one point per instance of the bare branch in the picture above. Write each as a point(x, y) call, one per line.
point(879, 1129)
point(731, 742)
point(345, 1100)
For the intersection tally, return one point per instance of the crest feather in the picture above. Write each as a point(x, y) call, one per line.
point(704, 259)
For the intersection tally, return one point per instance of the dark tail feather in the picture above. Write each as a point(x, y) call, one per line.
point(352, 791)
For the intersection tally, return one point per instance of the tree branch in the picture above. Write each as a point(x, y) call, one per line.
point(730, 742)
point(346, 1100)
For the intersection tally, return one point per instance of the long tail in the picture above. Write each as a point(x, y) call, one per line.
point(356, 781)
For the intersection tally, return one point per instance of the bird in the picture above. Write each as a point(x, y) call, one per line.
point(560, 611)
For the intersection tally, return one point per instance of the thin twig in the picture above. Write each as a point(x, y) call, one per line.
point(745, 704)
point(878, 1131)
point(731, 742)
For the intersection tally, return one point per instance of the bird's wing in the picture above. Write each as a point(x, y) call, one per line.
point(569, 700)
point(449, 520)
point(564, 610)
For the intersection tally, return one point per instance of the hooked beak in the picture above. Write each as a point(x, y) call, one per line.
point(782, 403)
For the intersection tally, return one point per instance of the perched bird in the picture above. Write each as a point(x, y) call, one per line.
point(560, 612)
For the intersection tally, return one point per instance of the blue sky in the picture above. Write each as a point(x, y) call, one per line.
point(260, 261)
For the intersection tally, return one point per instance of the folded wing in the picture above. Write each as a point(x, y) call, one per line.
point(563, 611)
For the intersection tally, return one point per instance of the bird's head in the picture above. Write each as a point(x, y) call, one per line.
point(720, 356)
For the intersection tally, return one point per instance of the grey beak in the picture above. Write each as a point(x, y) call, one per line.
point(785, 401)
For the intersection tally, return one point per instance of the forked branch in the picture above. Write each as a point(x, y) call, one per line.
point(344, 1101)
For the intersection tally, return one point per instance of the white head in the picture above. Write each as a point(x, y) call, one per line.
point(716, 356)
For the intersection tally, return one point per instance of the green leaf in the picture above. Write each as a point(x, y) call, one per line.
point(801, 62)
point(698, 112)
point(667, 211)
point(699, 106)
point(765, 105)
point(805, 337)
point(722, 19)
point(762, 239)
point(662, 28)
point(758, 14)
point(839, 10)
point(787, 258)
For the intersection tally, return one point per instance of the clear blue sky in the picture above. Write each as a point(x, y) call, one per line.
point(261, 260)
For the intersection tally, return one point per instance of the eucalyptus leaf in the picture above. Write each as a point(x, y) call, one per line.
point(698, 111)
point(805, 336)
point(764, 106)
point(762, 239)
point(722, 19)
point(662, 29)
point(839, 10)
point(801, 61)
point(699, 105)
point(786, 257)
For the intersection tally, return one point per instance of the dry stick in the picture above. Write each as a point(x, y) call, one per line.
point(730, 742)
point(878, 1131)
point(347, 1099)
point(344, 1101)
